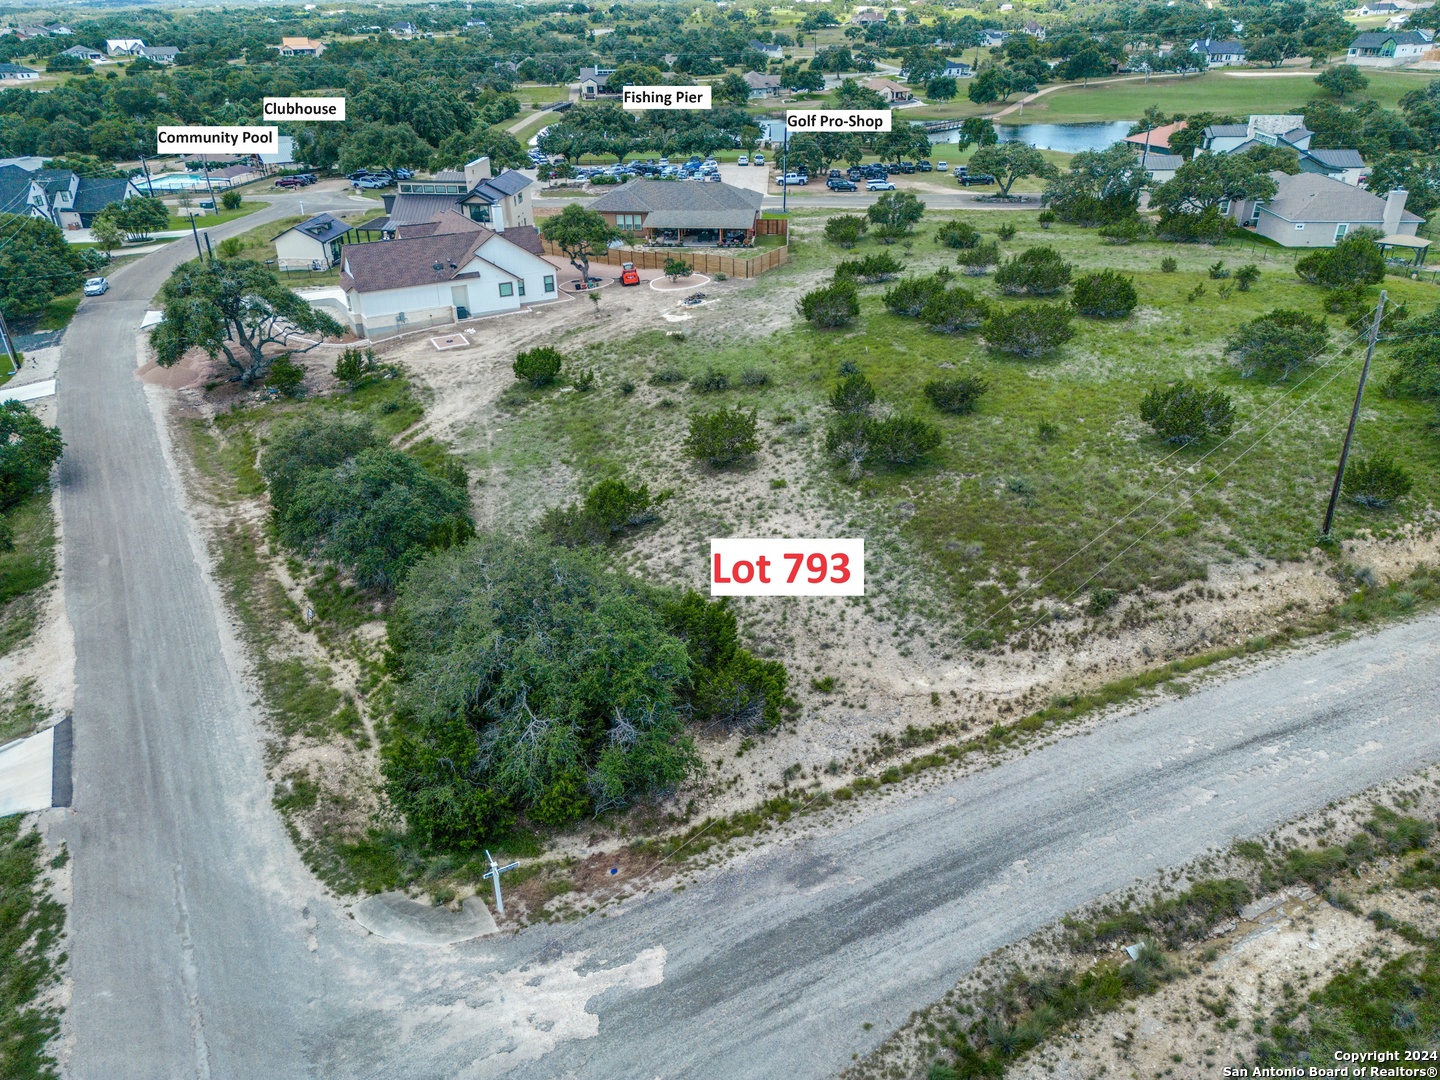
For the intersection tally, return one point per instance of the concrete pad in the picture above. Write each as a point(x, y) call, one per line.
point(396, 917)
point(28, 392)
point(26, 773)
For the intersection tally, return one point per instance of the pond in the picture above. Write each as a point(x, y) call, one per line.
point(1066, 138)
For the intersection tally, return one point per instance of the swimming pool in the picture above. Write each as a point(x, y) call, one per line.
point(177, 181)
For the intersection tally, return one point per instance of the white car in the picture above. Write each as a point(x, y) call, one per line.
point(96, 286)
point(744, 160)
point(759, 159)
point(879, 185)
point(942, 166)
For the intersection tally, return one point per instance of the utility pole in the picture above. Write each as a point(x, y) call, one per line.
point(196, 233)
point(9, 345)
point(494, 875)
point(784, 159)
point(1354, 415)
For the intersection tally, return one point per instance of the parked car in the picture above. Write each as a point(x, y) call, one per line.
point(879, 185)
point(628, 274)
point(289, 182)
point(924, 166)
point(834, 174)
point(907, 167)
point(942, 166)
point(307, 178)
point(892, 168)
point(96, 286)
point(743, 159)
point(790, 180)
point(971, 179)
point(664, 161)
point(759, 159)
point(836, 183)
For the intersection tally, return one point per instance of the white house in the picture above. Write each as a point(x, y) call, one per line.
point(84, 52)
point(59, 195)
point(17, 73)
point(1383, 8)
point(1310, 210)
point(993, 39)
point(311, 245)
point(958, 69)
point(774, 52)
point(1220, 53)
point(1390, 48)
point(1270, 129)
point(396, 285)
point(124, 46)
point(595, 82)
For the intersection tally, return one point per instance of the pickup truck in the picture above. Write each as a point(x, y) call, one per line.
point(975, 178)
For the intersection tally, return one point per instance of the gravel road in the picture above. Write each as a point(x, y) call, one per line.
point(200, 947)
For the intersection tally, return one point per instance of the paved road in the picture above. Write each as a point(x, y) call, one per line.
point(816, 198)
point(201, 948)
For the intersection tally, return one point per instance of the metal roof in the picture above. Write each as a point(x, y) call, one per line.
point(322, 228)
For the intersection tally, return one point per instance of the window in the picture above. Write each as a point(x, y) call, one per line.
point(522, 286)
point(1224, 206)
point(1299, 227)
point(519, 196)
point(429, 189)
point(507, 289)
point(629, 222)
point(549, 282)
point(1341, 230)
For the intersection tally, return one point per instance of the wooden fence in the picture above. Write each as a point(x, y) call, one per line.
point(772, 227)
point(702, 261)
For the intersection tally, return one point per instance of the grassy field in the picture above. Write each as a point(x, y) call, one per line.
point(30, 927)
point(207, 220)
point(1009, 519)
point(1212, 92)
point(25, 568)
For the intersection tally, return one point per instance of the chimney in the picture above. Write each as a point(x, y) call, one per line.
point(476, 172)
point(1394, 209)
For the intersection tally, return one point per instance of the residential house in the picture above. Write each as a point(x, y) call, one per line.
point(1225, 53)
point(498, 202)
point(958, 69)
point(1160, 165)
point(595, 82)
point(1034, 29)
point(669, 212)
point(159, 54)
point(1389, 48)
point(1347, 166)
point(59, 29)
point(398, 285)
point(403, 29)
point(761, 86)
point(1157, 138)
point(1310, 210)
point(774, 52)
point(28, 162)
point(17, 73)
point(84, 52)
point(123, 46)
point(1385, 8)
point(311, 245)
point(475, 24)
point(993, 39)
point(867, 16)
point(892, 92)
point(1269, 129)
point(299, 46)
point(27, 33)
point(59, 195)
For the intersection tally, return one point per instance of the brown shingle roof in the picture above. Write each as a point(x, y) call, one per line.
point(400, 264)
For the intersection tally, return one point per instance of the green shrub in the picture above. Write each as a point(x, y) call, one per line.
point(1039, 271)
point(667, 376)
point(539, 366)
point(1045, 218)
point(231, 200)
point(832, 306)
point(28, 451)
point(712, 381)
point(1169, 265)
point(1184, 414)
point(286, 377)
point(1277, 343)
point(1355, 260)
point(954, 310)
point(676, 269)
point(1006, 232)
point(846, 229)
point(979, 259)
point(1128, 230)
point(901, 440)
point(910, 296)
point(1105, 295)
point(373, 515)
point(607, 510)
point(754, 378)
point(1218, 271)
point(352, 366)
point(853, 394)
point(957, 396)
point(1376, 482)
point(871, 270)
point(1205, 227)
point(1028, 332)
point(722, 438)
point(1246, 276)
point(232, 247)
point(314, 442)
point(958, 234)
